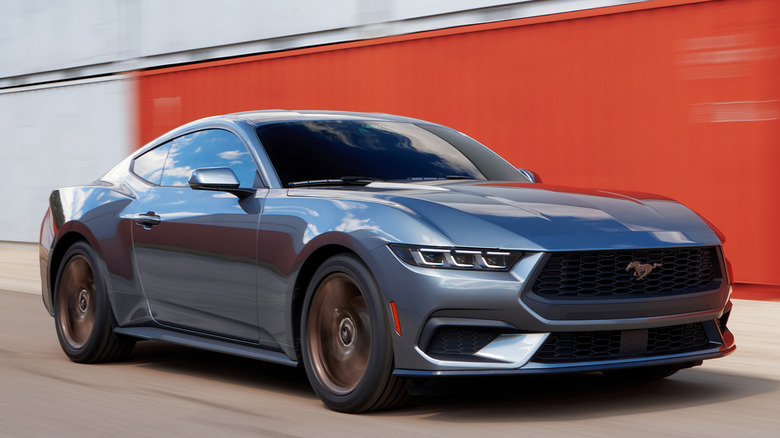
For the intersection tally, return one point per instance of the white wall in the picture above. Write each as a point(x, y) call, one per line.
point(53, 136)
point(49, 40)
point(43, 35)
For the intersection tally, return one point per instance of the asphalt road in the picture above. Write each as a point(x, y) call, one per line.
point(166, 390)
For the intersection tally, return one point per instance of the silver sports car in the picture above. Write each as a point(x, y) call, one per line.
point(374, 251)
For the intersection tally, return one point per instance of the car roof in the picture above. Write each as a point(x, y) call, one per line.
point(251, 119)
point(274, 116)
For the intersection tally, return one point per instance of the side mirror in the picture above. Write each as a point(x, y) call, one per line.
point(532, 177)
point(218, 179)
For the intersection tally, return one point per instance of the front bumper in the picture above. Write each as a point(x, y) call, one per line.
point(497, 332)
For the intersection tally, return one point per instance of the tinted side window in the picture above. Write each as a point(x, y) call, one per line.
point(209, 148)
point(149, 166)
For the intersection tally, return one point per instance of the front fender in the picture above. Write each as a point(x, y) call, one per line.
point(293, 229)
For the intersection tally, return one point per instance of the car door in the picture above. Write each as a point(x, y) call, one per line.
point(195, 250)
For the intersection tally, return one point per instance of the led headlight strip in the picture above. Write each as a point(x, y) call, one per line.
point(457, 258)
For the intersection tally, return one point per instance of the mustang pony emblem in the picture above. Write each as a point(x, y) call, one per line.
point(641, 270)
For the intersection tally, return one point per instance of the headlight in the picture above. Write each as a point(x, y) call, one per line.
point(457, 258)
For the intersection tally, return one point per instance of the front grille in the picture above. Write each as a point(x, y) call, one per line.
point(666, 340)
point(602, 274)
point(615, 344)
point(460, 341)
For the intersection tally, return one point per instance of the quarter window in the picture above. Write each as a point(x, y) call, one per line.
point(149, 166)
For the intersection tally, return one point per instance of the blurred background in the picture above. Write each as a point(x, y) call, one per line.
point(676, 97)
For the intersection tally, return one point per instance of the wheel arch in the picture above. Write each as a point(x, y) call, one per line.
point(99, 343)
point(56, 258)
point(304, 277)
point(376, 387)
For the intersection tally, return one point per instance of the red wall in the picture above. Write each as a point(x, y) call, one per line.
point(674, 97)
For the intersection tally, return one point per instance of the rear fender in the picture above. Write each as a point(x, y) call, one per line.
point(90, 214)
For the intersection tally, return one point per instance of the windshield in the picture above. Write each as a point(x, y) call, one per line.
point(389, 151)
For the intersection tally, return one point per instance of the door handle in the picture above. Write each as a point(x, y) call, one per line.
point(147, 220)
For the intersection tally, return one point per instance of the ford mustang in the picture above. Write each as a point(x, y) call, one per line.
point(376, 250)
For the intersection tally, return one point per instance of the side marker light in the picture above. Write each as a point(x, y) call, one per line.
point(395, 318)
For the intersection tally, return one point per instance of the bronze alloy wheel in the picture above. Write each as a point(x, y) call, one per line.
point(339, 332)
point(76, 301)
point(346, 342)
point(82, 312)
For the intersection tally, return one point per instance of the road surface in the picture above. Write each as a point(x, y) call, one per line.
point(166, 390)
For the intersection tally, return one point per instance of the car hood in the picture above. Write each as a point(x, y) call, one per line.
point(545, 217)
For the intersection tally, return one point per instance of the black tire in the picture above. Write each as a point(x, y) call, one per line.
point(346, 341)
point(82, 313)
point(643, 374)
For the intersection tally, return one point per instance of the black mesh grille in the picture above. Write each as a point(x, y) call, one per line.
point(602, 274)
point(607, 345)
point(460, 341)
point(579, 346)
point(665, 340)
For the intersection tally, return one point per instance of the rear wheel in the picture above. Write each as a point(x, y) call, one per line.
point(345, 341)
point(82, 313)
point(643, 374)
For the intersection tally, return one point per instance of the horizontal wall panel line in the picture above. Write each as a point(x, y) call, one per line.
point(66, 83)
point(471, 28)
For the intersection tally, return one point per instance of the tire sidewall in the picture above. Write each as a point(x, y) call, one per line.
point(102, 325)
point(380, 362)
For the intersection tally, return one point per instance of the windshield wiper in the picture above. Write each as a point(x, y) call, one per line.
point(438, 178)
point(342, 181)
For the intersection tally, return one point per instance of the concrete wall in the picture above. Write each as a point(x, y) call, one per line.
point(57, 135)
point(45, 40)
point(39, 36)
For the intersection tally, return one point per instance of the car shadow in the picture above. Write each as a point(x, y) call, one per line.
point(580, 396)
point(204, 364)
point(479, 400)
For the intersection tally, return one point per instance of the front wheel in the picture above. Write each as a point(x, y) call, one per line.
point(345, 341)
point(82, 313)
